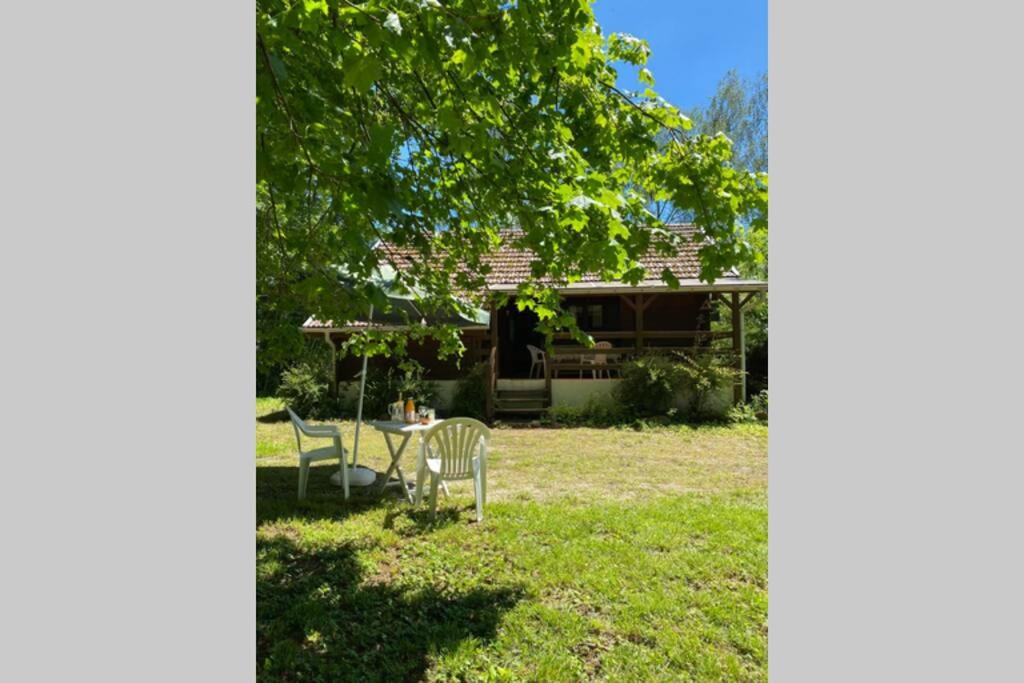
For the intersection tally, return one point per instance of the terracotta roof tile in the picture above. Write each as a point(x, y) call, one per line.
point(511, 266)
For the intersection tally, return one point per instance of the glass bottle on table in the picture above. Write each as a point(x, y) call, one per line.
point(410, 411)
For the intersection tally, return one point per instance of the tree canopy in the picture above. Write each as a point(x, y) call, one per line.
point(436, 124)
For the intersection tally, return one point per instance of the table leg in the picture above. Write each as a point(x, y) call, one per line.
point(421, 473)
point(396, 455)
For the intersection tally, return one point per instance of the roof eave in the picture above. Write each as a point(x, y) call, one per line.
point(690, 285)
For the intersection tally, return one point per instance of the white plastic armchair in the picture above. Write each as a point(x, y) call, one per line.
point(454, 449)
point(324, 453)
point(600, 361)
point(537, 357)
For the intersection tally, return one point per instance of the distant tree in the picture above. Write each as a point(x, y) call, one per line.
point(739, 109)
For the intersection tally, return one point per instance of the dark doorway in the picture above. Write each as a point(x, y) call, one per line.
point(516, 329)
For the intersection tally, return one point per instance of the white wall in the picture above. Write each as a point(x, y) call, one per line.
point(576, 393)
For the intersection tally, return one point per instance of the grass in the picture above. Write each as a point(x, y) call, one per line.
point(604, 555)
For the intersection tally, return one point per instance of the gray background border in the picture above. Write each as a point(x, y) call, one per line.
point(894, 447)
point(127, 275)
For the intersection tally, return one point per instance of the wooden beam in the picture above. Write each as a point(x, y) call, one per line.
point(492, 365)
point(489, 383)
point(649, 300)
point(494, 327)
point(625, 351)
point(628, 302)
point(639, 319)
point(747, 298)
point(737, 345)
point(547, 379)
point(660, 334)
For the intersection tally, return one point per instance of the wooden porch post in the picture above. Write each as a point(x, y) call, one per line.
point(739, 389)
point(639, 319)
point(492, 366)
point(547, 374)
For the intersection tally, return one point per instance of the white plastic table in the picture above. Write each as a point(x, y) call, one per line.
point(391, 428)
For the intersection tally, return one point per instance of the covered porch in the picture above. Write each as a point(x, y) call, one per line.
point(624, 322)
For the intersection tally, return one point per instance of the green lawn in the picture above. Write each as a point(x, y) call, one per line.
point(604, 554)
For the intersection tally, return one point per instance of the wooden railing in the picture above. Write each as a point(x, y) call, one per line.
point(575, 358)
point(653, 334)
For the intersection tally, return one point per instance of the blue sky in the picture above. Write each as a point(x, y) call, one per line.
point(693, 42)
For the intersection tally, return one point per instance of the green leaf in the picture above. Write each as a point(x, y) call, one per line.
point(670, 278)
point(361, 72)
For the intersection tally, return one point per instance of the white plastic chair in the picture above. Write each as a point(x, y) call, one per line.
point(454, 449)
point(324, 453)
point(601, 361)
point(537, 357)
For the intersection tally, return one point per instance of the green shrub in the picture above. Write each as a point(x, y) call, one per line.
point(701, 376)
point(760, 404)
point(270, 368)
point(742, 413)
point(470, 399)
point(384, 387)
point(754, 411)
point(649, 385)
point(597, 412)
point(304, 389)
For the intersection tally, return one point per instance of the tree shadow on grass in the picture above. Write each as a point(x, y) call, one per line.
point(277, 491)
point(421, 521)
point(277, 498)
point(276, 416)
point(318, 619)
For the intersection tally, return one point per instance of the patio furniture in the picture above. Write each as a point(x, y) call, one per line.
point(401, 309)
point(537, 358)
point(600, 361)
point(454, 449)
point(394, 428)
point(323, 453)
point(565, 359)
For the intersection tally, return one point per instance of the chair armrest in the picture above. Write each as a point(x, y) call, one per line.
point(321, 430)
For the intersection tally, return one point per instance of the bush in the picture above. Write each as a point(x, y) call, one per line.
point(470, 399)
point(702, 376)
point(742, 413)
point(597, 412)
point(649, 385)
point(304, 389)
point(384, 387)
point(754, 411)
point(760, 404)
point(270, 369)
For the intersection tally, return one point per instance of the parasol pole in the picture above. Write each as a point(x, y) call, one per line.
point(359, 408)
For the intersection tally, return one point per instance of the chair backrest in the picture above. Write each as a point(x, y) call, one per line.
point(456, 441)
point(536, 354)
point(600, 357)
point(299, 426)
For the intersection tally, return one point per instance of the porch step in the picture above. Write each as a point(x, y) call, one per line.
point(521, 401)
point(524, 395)
point(522, 411)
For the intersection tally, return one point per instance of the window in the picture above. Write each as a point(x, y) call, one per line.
point(596, 314)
